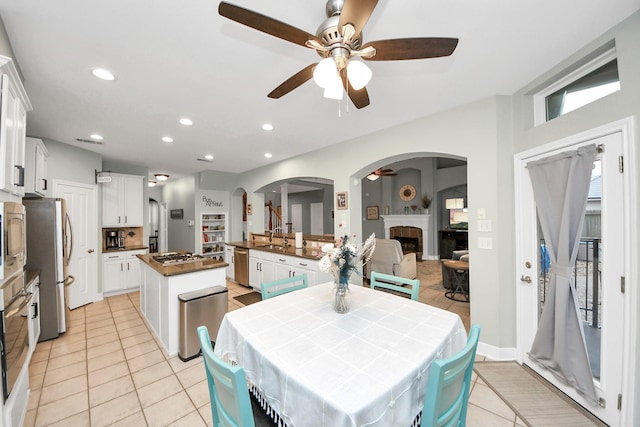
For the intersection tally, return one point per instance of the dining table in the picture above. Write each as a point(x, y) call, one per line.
point(310, 366)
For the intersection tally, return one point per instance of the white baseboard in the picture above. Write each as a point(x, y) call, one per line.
point(496, 353)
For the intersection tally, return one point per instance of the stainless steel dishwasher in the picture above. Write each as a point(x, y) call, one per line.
point(241, 266)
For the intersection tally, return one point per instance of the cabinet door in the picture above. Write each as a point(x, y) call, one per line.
point(282, 271)
point(40, 184)
point(229, 260)
point(18, 153)
point(132, 202)
point(132, 273)
point(8, 130)
point(255, 276)
point(34, 318)
point(268, 271)
point(111, 207)
point(112, 275)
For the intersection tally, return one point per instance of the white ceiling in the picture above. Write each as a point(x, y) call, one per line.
point(180, 58)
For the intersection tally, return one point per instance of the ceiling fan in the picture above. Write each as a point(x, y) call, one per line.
point(339, 41)
point(380, 172)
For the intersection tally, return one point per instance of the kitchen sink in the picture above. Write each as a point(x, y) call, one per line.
point(273, 247)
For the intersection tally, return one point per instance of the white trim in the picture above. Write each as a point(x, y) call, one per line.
point(9, 67)
point(629, 350)
point(539, 107)
point(492, 352)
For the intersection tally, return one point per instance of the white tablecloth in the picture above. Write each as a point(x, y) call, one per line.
point(316, 367)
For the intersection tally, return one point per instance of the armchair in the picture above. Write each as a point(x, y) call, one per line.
point(388, 259)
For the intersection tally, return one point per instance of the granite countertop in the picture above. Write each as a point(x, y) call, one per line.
point(305, 252)
point(126, 248)
point(185, 268)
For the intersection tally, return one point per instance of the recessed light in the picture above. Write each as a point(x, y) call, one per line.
point(268, 155)
point(96, 137)
point(267, 126)
point(208, 157)
point(167, 139)
point(185, 121)
point(103, 74)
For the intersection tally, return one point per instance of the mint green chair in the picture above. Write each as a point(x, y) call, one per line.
point(230, 401)
point(447, 396)
point(282, 286)
point(394, 283)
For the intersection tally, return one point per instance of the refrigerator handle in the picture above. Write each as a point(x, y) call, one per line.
point(69, 236)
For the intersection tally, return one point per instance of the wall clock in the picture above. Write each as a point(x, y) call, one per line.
point(407, 192)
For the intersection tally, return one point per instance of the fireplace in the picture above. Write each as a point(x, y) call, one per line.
point(411, 230)
point(410, 239)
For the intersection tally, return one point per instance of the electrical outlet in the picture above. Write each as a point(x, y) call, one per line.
point(485, 243)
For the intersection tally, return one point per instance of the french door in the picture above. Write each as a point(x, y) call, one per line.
point(598, 275)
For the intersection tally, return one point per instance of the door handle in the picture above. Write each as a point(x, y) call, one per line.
point(526, 279)
point(90, 251)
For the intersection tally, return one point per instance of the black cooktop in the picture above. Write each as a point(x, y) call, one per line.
point(170, 258)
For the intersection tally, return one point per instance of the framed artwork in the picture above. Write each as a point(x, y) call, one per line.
point(341, 200)
point(177, 213)
point(372, 212)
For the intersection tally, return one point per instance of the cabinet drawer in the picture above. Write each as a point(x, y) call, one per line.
point(113, 256)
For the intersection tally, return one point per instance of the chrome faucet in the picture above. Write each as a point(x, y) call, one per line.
point(273, 232)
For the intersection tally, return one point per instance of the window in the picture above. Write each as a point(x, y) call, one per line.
point(596, 79)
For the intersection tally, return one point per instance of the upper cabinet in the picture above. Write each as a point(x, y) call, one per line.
point(35, 174)
point(14, 105)
point(122, 202)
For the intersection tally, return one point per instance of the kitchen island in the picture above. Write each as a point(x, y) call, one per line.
point(161, 285)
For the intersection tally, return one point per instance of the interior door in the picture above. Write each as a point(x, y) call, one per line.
point(296, 217)
point(598, 273)
point(83, 265)
point(316, 217)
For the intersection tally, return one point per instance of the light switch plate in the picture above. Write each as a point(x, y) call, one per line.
point(482, 213)
point(484, 225)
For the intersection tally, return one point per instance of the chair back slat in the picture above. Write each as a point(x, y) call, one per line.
point(230, 402)
point(396, 283)
point(447, 396)
point(282, 286)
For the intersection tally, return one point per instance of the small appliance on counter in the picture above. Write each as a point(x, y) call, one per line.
point(111, 239)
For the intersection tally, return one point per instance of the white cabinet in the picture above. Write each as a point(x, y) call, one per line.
point(121, 271)
point(289, 266)
point(13, 125)
point(35, 170)
point(122, 203)
point(214, 235)
point(261, 268)
point(229, 259)
point(34, 315)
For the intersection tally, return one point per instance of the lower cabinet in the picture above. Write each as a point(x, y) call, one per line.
point(267, 266)
point(121, 271)
point(229, 259)
point(261, 268)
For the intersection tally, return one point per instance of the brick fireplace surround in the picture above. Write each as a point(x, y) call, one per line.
point(408, 228)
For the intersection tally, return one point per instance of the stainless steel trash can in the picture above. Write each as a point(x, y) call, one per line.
point(204, 307)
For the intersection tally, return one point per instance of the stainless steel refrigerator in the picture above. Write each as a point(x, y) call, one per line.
point(49, 248)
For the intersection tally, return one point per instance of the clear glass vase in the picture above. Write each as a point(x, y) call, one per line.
point(342, 298)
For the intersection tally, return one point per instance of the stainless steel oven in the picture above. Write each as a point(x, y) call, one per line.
point(14, 334)
point(12, 238)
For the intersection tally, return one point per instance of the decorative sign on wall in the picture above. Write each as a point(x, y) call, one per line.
point(210, 203)
point(177, 213)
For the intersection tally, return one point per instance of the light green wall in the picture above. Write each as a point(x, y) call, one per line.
point(617, 106)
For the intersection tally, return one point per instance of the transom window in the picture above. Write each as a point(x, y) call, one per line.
point(596, 79)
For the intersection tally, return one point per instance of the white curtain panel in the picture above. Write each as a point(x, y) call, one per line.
point(560, 186)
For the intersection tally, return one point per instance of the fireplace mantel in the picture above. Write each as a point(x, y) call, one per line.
point(419, 221)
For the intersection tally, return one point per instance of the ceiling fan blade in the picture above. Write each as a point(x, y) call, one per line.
point(293, 82)
point(265, 24)
point(356, 13)
point(360, 98)
point(412, 48)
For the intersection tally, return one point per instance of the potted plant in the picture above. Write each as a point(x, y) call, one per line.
point(426, 202)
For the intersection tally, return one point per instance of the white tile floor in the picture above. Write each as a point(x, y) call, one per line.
point(109, 370)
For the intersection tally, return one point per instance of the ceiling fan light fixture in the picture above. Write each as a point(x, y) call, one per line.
point(334, 89)
point(358, 74)
point(325, 72)
point(372, 177)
